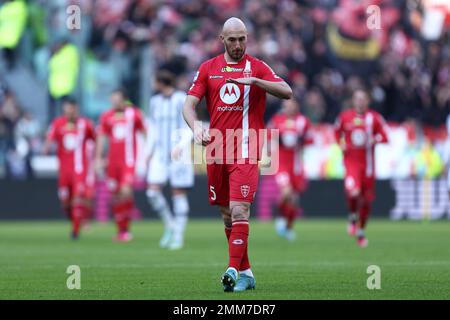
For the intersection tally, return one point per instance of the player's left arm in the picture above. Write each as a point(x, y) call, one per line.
point(100, 143)
point(90, 131)
point(279, 89)
point(338, 131)
point(139, 122)
point(268, 81)
point(307, 137)
point(381, 130)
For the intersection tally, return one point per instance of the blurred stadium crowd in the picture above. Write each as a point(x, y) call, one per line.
point(323, 48)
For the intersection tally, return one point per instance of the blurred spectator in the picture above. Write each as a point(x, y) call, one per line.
point(64, 65)
point(428, 163)
point(13, 18)
point(28, 140)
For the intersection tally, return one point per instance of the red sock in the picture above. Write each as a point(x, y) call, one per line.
point(291, 215)
point(352, 204)
point(237, 244)
point(284, 209)
point(245, 263)
point(77, 217)
point(122, 213)
point(289, 212)
point(67, 211)
point(364, 212)
point(87, 213)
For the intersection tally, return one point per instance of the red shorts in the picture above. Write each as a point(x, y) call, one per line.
point(70, 185)
point(232, 182)
point(288, 179)
point(357, 179)
point(119, 175)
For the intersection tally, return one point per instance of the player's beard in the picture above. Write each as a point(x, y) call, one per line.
point(235, 54)
point(119, 108)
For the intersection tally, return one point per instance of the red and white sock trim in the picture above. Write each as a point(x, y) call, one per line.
point(240, 222)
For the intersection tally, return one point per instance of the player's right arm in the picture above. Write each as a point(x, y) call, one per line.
point(338, 131)
point(201, 134)
point(51, 137)
point(381, 130)
point(195, 94)
point(151, 136)
point(100, 143)
point(266, 153)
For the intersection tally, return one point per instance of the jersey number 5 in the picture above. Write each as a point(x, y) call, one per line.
point(213, 193)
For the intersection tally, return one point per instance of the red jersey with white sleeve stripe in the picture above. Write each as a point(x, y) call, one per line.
point(361, 132)
point(71, 139)
point(236, 111)
point(121, 128)
point(294, 133)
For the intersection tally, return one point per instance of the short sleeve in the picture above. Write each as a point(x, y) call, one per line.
point(381, 129)
point(200, 84)
point(52, 131)
point(151, 109)
point(139, 121)
point(308, 137)
point(103, 126)
point(90, 130)
point(266, 73)
point(338, 128)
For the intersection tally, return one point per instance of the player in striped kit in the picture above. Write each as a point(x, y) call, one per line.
point(169, 159)
point(72, 133)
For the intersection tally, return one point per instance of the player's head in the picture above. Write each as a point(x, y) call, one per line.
point(164, 79)
point(118, 99)
point(360, 100)
point(70, 108)
point(234, 38)
point(290, 107)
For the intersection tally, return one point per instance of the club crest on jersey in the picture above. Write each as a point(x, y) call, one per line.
point(245, 190)
point(70, 141)
point(230, 93)
point(358, 137)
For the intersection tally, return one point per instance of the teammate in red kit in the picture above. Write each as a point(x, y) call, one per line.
point(294, 133)
point(234, 85)
point(358, 130)
point(120, 126)
point(72, 133)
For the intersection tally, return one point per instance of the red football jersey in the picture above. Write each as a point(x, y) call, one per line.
point(294, 133)
point(361, 132)
point(236, 111)
point(121, 129)
point(71, 139)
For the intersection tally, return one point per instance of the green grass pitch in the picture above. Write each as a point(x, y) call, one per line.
point(324, 263)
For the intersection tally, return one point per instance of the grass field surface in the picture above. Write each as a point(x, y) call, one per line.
point(323, 263)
